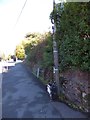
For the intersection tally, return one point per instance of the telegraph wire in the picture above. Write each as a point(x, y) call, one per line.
point(21, 12)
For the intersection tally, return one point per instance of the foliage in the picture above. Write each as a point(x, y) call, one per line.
point(9, 57)
point(48, 54)
point(20, 52)
point(2, 56)
point(31, 40)
point(73, 34)
point(38, 48)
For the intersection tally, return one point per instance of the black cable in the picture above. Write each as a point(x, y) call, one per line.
point(21, 12)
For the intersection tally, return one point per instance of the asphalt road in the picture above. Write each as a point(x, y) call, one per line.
point(24, 97)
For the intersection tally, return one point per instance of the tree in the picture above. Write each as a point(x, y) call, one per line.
point(38, 48)
point(20, 52)
point(2, 56)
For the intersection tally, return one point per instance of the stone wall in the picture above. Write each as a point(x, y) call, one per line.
point(76, 88)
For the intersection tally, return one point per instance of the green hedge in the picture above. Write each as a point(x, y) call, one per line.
point(73, 36)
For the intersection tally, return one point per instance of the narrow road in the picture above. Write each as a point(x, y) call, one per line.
point(23, 97)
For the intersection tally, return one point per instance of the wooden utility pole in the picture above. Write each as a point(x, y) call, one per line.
point(55, 52)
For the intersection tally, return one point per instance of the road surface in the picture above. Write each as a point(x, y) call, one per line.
point(24, 97)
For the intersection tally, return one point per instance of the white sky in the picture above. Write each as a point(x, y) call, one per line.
point(34, 18)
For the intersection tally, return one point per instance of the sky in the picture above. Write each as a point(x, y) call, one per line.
point(34, 18)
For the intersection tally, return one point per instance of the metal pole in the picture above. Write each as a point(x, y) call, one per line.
point(55, 53)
